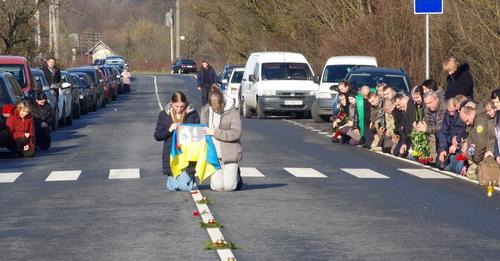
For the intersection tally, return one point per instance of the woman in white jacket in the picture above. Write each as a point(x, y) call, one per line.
point(224, 125)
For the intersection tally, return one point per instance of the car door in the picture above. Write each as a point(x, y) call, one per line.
point(252, 92)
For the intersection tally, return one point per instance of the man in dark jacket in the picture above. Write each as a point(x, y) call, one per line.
point(452, 132)
point(42, 113)
point(404, 123)
point(51, 71)
point(206, 77)
point(459, 79)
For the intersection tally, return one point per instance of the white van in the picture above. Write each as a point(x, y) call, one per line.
point(335, 70)
point(277, 82)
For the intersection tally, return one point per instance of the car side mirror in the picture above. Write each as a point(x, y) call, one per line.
point(316, 79)
point(251, 78)
point(66, 85)
point(118, 77)
point(224, 81)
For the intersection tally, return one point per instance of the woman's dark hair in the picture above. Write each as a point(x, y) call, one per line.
point(495, 94)
point(431, 84)
point(179, 96)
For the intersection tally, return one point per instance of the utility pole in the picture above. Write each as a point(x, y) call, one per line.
point(169, 23)
point(51, 28)
point(56, 27)
point(177, 28)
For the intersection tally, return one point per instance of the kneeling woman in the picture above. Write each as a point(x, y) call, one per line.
point(22, 129)
point(177, 111)
point(224, 125)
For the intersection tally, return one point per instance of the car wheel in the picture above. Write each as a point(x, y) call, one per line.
point(260, 114)
point(315, 113)
point(246, 111)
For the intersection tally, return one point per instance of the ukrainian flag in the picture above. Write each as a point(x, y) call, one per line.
point(203, 153)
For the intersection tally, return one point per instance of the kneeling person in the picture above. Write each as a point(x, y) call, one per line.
point(224, 125)
point(42, 113)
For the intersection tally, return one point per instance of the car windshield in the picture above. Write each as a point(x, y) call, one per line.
point(399, 82)
point(114, 62)
point(227, 74)
point(336, 73)
point(17, 71)
point(41, 80)
point(84, 81)
point(286, 71)
point(4, 94)
point(237, 77)
point(188, 62)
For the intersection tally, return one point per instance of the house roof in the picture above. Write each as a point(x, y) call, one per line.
point(96, 45)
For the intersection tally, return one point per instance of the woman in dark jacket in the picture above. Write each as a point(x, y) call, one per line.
point(177, 111)
point(459, 79)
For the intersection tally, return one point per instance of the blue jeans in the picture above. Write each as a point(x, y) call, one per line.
point(183, 182)
point(455, 165)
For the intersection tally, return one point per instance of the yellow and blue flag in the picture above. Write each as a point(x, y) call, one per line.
point(202, 152)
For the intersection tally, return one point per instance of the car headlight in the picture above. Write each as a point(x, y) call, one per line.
point(324, 95)
point(270, 93)
point(312, 93)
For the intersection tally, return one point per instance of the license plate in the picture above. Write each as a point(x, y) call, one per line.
point(293, 102)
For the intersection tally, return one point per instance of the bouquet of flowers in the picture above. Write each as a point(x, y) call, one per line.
point(337, 133)
point(421, 149)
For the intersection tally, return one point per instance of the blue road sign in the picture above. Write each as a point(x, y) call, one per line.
point(428, 6)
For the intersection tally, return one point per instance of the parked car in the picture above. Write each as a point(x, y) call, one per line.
point(335, 70)
point(277, 82)
point(10, 95)
point(111, 86)
point(84, 92)
point(74, 93)
point(20, 68)
point(97, 81)
point(119, 79)
point(115, 61)
point(10, 91)
point(43, 85)
point(234, 84)
point(225, 73)
point(184, 66)
point(87, 81)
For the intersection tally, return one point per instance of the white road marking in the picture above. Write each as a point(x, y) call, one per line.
point(425, 174)
point(305, 173)
point(9, 177)
point(365, 173)
point(64, 175)
point(324, 133)
point(124, 174)
point(214, 233)
point(251, 172)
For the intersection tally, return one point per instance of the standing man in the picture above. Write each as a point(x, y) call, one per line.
point(52, 72)
point(206, 77)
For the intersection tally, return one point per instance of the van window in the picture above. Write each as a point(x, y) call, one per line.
point(256, 72)
point(286, 71)
point(336, 73)
point(237, 77)
point(17, 71)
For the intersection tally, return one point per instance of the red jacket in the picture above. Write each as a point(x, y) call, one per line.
point(19, 126)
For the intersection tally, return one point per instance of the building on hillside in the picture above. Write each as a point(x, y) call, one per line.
point(99, 51)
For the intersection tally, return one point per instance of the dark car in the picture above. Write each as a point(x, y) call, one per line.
point(98, 82)
point(88, 91)
point(371, 76)
point(65, 75)
point(184, 66)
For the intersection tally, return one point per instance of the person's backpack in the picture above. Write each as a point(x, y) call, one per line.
point(488, 171)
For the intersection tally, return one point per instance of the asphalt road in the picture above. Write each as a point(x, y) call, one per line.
point(359, 205)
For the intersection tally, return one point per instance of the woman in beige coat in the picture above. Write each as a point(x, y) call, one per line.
point(224, 125)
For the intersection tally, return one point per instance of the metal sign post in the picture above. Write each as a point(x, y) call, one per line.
point(169, 21)
point(427, 7)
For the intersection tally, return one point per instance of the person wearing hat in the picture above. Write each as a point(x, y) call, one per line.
point(42, 113)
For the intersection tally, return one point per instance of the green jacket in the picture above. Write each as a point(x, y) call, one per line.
point(482, 134)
